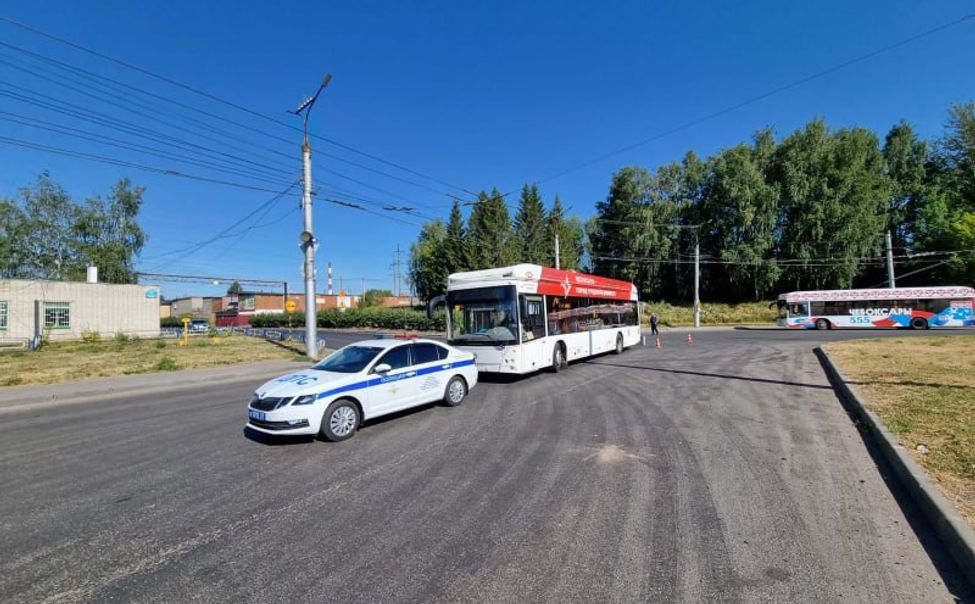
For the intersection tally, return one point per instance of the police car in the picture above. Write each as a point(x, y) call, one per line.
point(359, 382)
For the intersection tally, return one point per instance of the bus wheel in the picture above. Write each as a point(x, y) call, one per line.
point(619, 343)
point(822, 324)
point(558, 358)
point(919, 323)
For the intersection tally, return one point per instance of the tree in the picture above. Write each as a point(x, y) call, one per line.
point(571, 235)
point(13, 241)
point(834, 192)
point(373, 297)
point(428, 268)
point(455, 247)
point(489, 237)
point(956, 152)
point(234, 289)
point(108, 234)
point(48, 236)
point(529, 229)
point(742, 211)
point(905, 157)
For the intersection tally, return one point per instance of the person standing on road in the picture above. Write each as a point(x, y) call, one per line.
point(653, 324)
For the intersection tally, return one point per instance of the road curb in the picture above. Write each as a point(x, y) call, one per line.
point(14, 402)
point(951, 527)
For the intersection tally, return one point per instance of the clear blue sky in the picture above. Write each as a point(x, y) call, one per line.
point(476, 94)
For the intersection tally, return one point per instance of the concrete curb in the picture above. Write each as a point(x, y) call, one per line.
point(951, 527)
point(26, 398)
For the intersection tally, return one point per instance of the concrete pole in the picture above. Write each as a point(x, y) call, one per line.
point(557, 253)
point(697, 283)
point(890, 262)
point(311, 319)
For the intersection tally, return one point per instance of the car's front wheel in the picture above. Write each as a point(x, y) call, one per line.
point(456, 391)
point(340, 420)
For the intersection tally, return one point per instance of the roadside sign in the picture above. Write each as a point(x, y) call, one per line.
point(291, 306)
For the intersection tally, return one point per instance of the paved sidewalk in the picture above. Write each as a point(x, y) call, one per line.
point(18, 398)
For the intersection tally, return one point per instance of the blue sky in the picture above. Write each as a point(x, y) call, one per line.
point(474, 94)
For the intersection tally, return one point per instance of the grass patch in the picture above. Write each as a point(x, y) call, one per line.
point(923, 389)
point(682, 315)
point(61, 362)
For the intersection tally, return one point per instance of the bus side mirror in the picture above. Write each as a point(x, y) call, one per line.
point(434, 303)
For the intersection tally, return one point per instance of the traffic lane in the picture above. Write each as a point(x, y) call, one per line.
point(619, 479)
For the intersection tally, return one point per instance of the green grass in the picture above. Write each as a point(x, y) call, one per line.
point(682, 315)
point(923, 389)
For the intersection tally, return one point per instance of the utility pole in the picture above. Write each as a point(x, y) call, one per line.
point(697, 279)
point(396, 278)
point(557, 251)
point(890, 262)
point(308, 241)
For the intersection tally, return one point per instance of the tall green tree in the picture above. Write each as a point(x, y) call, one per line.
point(529, 227)
point(571, 234)
point(234, 288)
point(51, 250)
point(108, 234)
point(455, 246)
point(742, 211)
point(489, 237)
point(834, 193)
point(13, 241)
point(905, 159)
point(428, 267)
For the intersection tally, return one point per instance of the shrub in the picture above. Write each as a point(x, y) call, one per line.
point(120, 336)
point(170, 322)
point(372, 318)
point(160, 344)
point(167, 363)
point(90, 337)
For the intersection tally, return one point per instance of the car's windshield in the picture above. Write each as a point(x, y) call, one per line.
point(486, 315)
point(350, 359)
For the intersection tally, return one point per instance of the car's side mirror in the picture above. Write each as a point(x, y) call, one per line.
point(382, 368)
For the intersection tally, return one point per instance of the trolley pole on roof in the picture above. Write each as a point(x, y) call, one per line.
point(308, 242)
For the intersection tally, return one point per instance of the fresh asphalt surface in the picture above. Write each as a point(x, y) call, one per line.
point(726, 471)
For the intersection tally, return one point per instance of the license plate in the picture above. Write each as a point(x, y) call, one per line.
point(256, 414)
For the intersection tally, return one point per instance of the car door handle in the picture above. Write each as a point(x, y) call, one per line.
point(445, 366)
point(410, 373)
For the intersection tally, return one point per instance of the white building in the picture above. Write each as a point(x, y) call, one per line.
point(62, 310)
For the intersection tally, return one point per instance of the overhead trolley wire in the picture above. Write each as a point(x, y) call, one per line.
point(224, 101)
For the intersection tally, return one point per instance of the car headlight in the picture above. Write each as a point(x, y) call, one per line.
point(305, 400)
point(254, 398)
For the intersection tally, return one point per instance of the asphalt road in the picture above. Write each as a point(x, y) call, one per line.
point(724, 471)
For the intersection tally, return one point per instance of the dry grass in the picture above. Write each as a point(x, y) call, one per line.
point(72, 361)
point(924, 391)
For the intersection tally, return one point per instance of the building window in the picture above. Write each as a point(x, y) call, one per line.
point(3, 314)
point(57, 315)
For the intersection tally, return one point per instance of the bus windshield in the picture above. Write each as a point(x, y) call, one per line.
point(484, 315)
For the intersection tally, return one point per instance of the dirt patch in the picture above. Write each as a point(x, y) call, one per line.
point(608, 454)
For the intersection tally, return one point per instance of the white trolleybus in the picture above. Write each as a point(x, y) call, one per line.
point(914, 307)
point(522, 318)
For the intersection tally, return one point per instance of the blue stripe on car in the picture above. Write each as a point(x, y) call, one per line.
point(377, 381)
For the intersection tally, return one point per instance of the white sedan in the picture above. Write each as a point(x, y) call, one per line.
point(362, 381)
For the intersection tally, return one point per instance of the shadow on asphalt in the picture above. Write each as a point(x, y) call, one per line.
point(716, 375)
point(275, 440)
point(940, 557)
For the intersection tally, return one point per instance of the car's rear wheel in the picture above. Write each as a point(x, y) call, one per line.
point(619, 343)
point(340, 420)
point(456, 391)
point(919, 323)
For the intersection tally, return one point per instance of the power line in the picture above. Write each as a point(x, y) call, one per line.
point(223, 101)
point(762, 96)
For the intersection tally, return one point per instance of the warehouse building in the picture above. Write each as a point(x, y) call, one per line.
point(63, 310)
